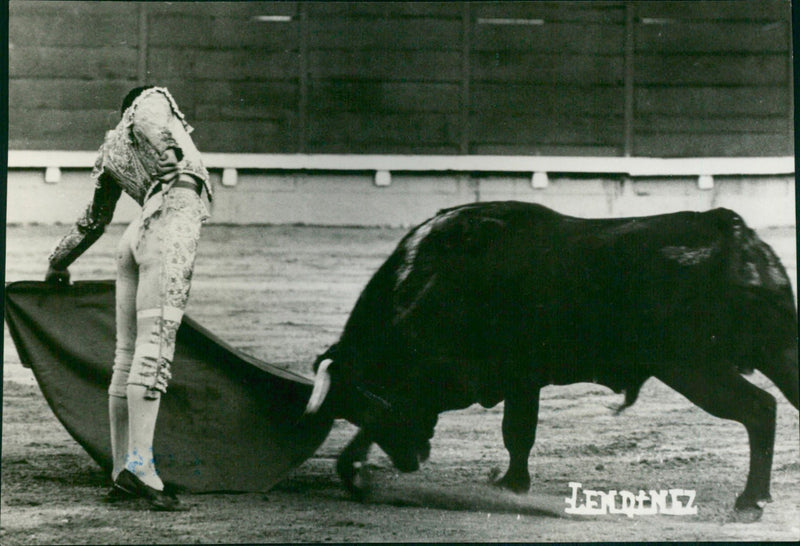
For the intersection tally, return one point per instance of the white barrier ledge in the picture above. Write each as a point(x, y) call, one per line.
point(704, 168)
point(252, 189)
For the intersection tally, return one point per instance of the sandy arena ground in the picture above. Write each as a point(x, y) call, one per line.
point(283, 294)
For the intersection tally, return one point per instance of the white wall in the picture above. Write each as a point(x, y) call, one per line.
point(353, 199)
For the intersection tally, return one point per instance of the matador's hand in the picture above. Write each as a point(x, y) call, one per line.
point(59, 277)
point(167, 166)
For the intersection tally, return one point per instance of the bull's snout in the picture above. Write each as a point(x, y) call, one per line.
point(408, 458)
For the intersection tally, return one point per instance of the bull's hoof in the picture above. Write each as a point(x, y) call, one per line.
point(747, 515)
point(356, 479)
point(749, 509)
point(746, 502)
point(515, 484)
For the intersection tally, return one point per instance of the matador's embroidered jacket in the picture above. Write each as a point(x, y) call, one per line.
point(127, 162)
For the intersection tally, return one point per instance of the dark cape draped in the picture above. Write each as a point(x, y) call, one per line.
point(228, 422)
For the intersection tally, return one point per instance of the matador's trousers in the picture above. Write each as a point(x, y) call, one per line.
point(155, 261)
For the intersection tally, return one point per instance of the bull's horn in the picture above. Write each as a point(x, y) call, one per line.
point(322, 383)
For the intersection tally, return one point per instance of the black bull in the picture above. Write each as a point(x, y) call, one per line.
point(493, 301)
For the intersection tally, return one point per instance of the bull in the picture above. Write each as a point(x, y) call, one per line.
point(490, 302)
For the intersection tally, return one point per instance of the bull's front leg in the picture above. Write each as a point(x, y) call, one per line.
point(520, 418)
point(351, 465)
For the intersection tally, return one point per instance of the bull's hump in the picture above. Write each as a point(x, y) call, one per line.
point(500, 208)
point(465, 229)
point(411, 244)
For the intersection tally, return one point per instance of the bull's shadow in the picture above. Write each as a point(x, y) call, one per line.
point(408, 493)
point(470, 498)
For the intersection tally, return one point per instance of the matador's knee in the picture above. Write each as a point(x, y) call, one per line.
point(155, 348)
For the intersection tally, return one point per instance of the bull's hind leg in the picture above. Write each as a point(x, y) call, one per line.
point(351, 465)
point(783, 372)
point(520, 418)
point(729, 396)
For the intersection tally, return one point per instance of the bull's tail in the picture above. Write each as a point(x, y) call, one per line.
point(770, 305)
point(631, 394)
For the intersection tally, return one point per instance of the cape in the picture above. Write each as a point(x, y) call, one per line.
point(228, 422)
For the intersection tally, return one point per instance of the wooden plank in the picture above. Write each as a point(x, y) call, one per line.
point(547, 99)
point(231, 65)
point(599, 39)
point(713, 125)
point(517, 67)
point(243, 136)
point(346, 127)
point(71, 8)
point(275, 94)
point(88, 63)
point(59, 129)
point(72, 29)
point(58, 94)
point(237, 112)
point(337, 32)
point(182, 30)
point(712, 37)
point(142, 50)
point(727, 145)
point(711, 69)
point(225, 9)
point(711, 101)
point(493, 128)
point(464, 106)
point(538, 149)
point(127, 8)
point(386, 65)
point(585, 12)
point(385, 9)
point(629, 81)
point(379, 96)
point(168, 62)
point(31, 141)
point(728, 10)
point(245, 32)
point(304, 77)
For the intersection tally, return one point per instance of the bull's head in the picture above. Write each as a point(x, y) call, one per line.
point(389, 424)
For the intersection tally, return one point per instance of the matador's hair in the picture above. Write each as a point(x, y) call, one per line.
point(131, 96)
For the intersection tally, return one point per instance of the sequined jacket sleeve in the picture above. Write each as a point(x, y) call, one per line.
point(91, 225)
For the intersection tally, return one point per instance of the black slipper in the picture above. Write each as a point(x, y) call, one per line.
point(117, 494)
point(158, 500)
